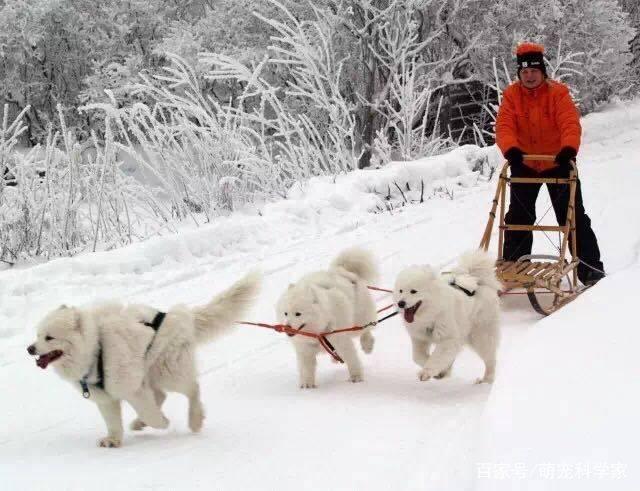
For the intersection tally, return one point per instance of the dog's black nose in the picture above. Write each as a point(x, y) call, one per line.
point(31, 350)
point(402, 304)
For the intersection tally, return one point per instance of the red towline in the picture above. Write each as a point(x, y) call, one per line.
point(322, 338)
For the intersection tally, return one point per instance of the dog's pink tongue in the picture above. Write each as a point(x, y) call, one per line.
point(409, 314)
point(43, 360)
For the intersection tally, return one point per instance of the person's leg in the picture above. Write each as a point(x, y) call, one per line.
point(590, 269)
point(522, 211)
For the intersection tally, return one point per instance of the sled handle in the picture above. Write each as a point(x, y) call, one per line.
point(546, 158)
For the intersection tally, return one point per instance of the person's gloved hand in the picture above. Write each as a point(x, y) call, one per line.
point(565, 156)
point(515, 157)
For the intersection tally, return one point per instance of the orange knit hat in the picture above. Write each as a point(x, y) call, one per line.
point(525, 48)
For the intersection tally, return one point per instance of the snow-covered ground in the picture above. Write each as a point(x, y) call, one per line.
point(562, 413)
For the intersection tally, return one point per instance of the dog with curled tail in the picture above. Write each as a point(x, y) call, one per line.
point(324, 301)
point(134, 353)
point(444, 312)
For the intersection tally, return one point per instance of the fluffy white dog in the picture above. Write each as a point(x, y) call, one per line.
point(448, 311)
point(134, 353)
point(324, 301)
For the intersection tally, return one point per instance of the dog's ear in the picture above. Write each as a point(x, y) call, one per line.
point(63, 306)
point(428, 272)
point(77, 319)
point(315, 293)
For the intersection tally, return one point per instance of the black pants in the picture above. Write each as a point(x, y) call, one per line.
point(522, 211)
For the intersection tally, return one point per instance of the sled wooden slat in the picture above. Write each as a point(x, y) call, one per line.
point(543, 274)
point(540, 267)
point(531, 228)
point(522, 267)
point(548, 273)
point(536, 180)
point(511, 267)
point(505, 266)
point(530, 269)
point(520, 273)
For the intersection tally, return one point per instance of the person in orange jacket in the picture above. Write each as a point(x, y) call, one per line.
point(538, 116)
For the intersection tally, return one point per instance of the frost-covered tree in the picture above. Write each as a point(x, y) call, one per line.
point(42, 59)
point(387, 40)
point(67, 52)
point(596, 32)
point(632, 7)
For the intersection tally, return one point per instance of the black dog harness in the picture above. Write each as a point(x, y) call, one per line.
point(84, 381)
point(157, 321)
point(84, 384)
point(469, 293)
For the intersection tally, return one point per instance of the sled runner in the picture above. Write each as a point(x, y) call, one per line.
point(549, 282)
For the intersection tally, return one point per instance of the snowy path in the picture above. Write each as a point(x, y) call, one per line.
point(261, 431)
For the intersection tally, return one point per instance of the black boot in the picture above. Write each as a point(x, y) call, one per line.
point(589, 276)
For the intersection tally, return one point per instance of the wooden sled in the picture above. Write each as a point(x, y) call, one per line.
point(540, 276)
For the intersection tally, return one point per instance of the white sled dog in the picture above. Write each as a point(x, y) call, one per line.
point(447, 311)
point(328, 300)
point(134, 353)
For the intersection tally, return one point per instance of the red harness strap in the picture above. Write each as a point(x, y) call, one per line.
point(322, 338)
point(280, 328)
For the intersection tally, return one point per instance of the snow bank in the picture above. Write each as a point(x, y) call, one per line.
point(563, 413)
point(319, 204)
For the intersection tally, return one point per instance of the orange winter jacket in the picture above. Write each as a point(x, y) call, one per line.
point(540, 121)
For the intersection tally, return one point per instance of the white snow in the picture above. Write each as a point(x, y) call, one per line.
point(562, 413)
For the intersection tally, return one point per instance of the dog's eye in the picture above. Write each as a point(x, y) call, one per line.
point(48, 338)
point(414, 291)
point(400, 291)
point(298, 314)
point(286, 314)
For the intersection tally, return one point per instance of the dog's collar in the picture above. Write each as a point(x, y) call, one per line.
point(84, 381)
point(469, 293)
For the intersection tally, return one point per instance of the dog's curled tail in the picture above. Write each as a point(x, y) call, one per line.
point(218, 316)
point(480, 266)
point(358, 262)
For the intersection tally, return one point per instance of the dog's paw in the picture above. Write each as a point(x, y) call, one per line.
point(307, 386)
point(109, 442)
point(137, 425)
point(195, 421)
point(356, 378)
point(483, 381)
point(424, 375)
point(445, 373)
point(159, 423)
point(420, 360)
